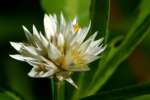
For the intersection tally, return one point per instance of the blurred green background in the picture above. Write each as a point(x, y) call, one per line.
point(15, 13)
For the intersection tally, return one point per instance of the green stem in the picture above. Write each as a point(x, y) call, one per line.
point(60, 90)
point(53, 88)
point(57, 89)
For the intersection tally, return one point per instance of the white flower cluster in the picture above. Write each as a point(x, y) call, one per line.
point(63, 49)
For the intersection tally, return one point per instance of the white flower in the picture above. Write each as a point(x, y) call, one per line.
point(63, 49)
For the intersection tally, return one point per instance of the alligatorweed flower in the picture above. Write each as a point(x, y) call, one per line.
point(62, 50)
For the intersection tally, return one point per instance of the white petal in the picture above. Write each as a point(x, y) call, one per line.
point(54, 19)
point(68, 58)
point(101, 49)
point(94, 47)
point(68, 29)
point(37, 38)
point(33, 73)
point(75, 21)
point(53, 52)
point(50, 67)
point(60, 40)
point(16, 46)
point(25, 50)
point(97, 42)
point(81, 35)
point(74, 25)
point(34, 63)
point(28, 34)
point(44, 40)
point(93, 36)
point(50, 26)
point(30, 50)
point(40, 74)
point(21, 58)
point(68, 34)
point(35, 32)
point(62, 23)
point(71, 82)
point(86, 44)
point(91, 58)
point(49, 63)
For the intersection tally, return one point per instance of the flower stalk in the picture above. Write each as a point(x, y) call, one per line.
point(57, 89)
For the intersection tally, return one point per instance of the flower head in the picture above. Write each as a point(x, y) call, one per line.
point(62, 50)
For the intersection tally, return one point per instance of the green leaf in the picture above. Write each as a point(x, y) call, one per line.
point(8, 95)
point(70, 8)
point(141, 97)
point(100, 14)
point(58, 89)
point(51, 6)
point(79, 92)
point(144, 7)
point(122, 93)
point(18, 80)
point(114, 55)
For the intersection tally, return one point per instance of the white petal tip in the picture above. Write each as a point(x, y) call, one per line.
point(33, 73)
point(75, 21)
point(17, 57)
point(16, 46)
point(24, 28)
point(72, 82)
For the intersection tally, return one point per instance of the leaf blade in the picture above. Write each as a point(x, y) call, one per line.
point(9, 95)
point(115, 56)
point(122, 93)
point(100, 15)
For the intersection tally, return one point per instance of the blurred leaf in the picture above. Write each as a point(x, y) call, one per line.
point(122, 93)
point(116, 53)
point(70, 8)
point(8, 95)
point(53, 6)
point(77, 93)
point(17, 79)
point(100, 14)
point(142, 97)
point(144, 7)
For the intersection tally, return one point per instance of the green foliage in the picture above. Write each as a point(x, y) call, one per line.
point(71, 8)
point(144, 7)
point(122, 93)
point(8, 95)
point(100, 16)
point(142, 97)
point(114, 55)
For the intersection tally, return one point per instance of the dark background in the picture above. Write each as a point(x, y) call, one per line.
point(13, 74)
